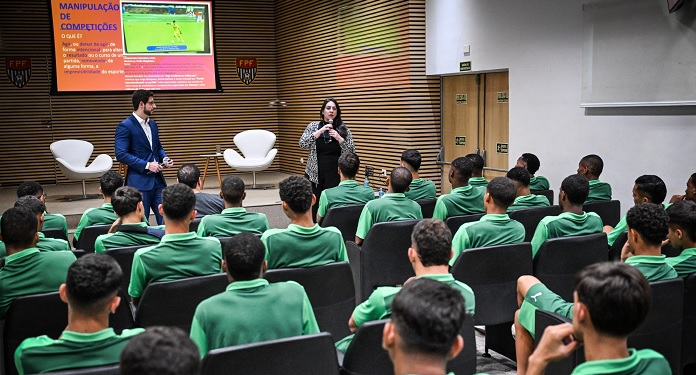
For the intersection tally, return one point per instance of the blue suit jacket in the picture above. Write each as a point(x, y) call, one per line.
point(133, 149)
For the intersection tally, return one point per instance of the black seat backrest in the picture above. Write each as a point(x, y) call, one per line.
point(609, 211)
point(309, 354)
point(193, 225)
point(124, 258)
point(454, 222)
point(330, 290)
point(615, 249)
point(531, 217)
point(89, 235)
point(688, 356)
point(492, 273)
point(100, 370)
point(559, 259)
point(57, 233)
point(427, 207)
point(465, 362)
point(565, 366)
point(547, 193)
point(344, 218)
point(173, 303)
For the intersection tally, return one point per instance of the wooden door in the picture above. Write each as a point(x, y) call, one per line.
point(495, 125)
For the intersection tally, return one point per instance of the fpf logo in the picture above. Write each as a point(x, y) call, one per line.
point(18, 70)
point(246, 69)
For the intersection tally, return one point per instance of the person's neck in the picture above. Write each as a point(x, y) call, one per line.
point(415, 175)
point(86, 324)
point(344, 178)
point(15, 250)
point(196, 190)
point(602, 347)
point(176, 227)
point(641, 248)
point(233, 205)
point(421, 270)
point(142, 115)
point(688, 244)
point(459, 183)
point(417, 363)
point(573, 208)
point(591, 177)
point(523, 191)
point(495, 210)
point(132, 218)
point(107, 199)
point(303, 220)
point(477, 174)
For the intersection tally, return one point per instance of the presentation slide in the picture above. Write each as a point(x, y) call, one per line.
point(128, 45)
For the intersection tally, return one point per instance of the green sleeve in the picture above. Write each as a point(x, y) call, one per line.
point(18, 358)
point(309, 321)
point(264, 239)
point(323, 204)
point(618, 229)
point(372, 309)
point(84, 222)
point(343, 253)
point(201, 232)
point(3, 251)
point(29, 343)
point(198, 336)
point(541, 234)
point(266, 224)
point(99, 244)
point(440, 211)
point(364, 223)
point(137, 280)
point(460, 242)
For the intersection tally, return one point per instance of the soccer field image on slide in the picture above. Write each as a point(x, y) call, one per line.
point(157, 34)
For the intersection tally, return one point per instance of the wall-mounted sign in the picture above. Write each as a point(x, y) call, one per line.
point(461, 99)
point(18, 70)
point(465, 66)
point(503, 97)
point(501, 148)
point(460, 141)
point(246, 69)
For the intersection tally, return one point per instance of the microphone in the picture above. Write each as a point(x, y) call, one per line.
point(326, 133)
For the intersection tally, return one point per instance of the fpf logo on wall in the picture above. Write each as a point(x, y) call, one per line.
point(18, 70)
point(246, 69)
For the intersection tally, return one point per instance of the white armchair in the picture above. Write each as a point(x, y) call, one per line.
point(72, 156)
point(257, 147)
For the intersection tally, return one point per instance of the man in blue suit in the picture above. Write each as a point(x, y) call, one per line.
point(137, 145)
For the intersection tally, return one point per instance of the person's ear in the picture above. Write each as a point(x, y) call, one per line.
point(160, 209)
point(140, 207)
point(244, 195)
point(114, 304)
point(264, 266)
point(679, 232)
point(487, 197)
point(314, 199)
point(63, 293)
point(224, 266)
point(388, 336)
point(221, 196)
point(451, 254)
point(193, 214)
point(412, 255)
point(456, 347)
point(388, 181)
point(200, 183)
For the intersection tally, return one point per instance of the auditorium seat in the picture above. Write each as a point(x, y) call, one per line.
point(99, 370)
point(609, 211)
point(57, 233)
point(427, 207)
point(531, 217)
point(344, 218)
point(89, 236)
point(124, 258)
point(688, 354)
point(454, 222)
point(547, 193)
point(193, 225)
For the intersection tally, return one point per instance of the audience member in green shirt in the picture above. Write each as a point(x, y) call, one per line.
point(531, 163)
point(418, 188)
point(234, 219)
point(602, 288)
point(34, 205)
point(348, 192)
point(91, 292)
point(689, 193)
point(591, 166)
point(477, 179)
point(160, 350)
point(682, 236)
point(524, 198)
point(463, 199)
point(108, 183)
point(50, 220)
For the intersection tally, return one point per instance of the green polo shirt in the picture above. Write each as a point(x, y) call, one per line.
point(178, 256)
point(391, 207)
point(231, 221)
point(55, 221)
point(298, 246)
point(644, 361)
point(31, 271)
point(478, 182)
point(684, 263)
point(490, 230)
point(52, 244)
point(421, 189)
point(124, 239)
point(564, 225)
point(654, 267)
point(347, 193)
point(622, 227)
point(96, 216)
point(528, 201)
point(464, 200)
point(599, 192)
point(72, 350)
point(252, 311)
point(539, 183)
point(378, 305)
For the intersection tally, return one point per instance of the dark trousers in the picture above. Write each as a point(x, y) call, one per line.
point(153, 198)
point(328, 178)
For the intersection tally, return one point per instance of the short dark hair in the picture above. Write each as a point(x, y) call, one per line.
point(160, 350)
point(617, 296)
point(29, 188)
point(92, 281)
point(520, 175)
point(502, 190)
point(18, 226)
point(31, 203)
point(412, 158)
point(141, 96)
point(576, 187)
point(244, 255)
point(296, 192)
point(109, 182)
point(188, 174)
point(400, 179)
point(682, 214)
point(477, 160)
point(428, 316)
point(652, 187)
point(532, 162)
point(349, 164)
point(650, 220)
point(178, 201)
point(433, 242)
point(125, 200)
point(594, 164)
point(463, 168)
point(232, 189)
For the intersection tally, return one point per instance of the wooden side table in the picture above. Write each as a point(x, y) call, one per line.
point(214, 157)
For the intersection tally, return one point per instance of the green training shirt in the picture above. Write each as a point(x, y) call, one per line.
point(177, 256)
point(464, 200)
point(55, 221)
point(72, 350)
point(490, 230)
point(52, 244)
point(391, 207)
point(478, 182)
point(684, 263)
point(644, 361)
point(232, 221)
point(564, 225)
point(528, 201)
point(347, 193)
point(252, 311)
point(298, 246)
point(124, 239)
point(599, 192)
point(654, 267)
point(421, 189)
point(96, 216)
point(539, 183)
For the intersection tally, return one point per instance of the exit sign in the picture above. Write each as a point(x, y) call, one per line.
point(465, 66)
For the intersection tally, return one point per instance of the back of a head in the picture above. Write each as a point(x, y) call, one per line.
point(503, 191)
point(349, 164)
point(400, 179)
point(109, 182)
point(653, 187)
point(296, 192)
point(682, 214)
point(29, 188)
point(594, 163)
point(532, 162)
point(478, 162)
point(160, 350)
point(432, 240)
point(576, 187)
point(31, 203)
point(232, 189)
point(428, 316)
point(18, 226)
point(519, 175)
point(125, 200)
point(463, 168)
point(188, 174)
point(244, 255)
point(617, 296)
point(178, 201)
point(92, 281)
point(412, 158)
point(650, 221)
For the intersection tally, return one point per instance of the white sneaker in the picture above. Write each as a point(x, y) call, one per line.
point(512, 329)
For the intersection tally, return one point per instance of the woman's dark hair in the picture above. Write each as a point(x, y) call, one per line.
point(337, 122)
